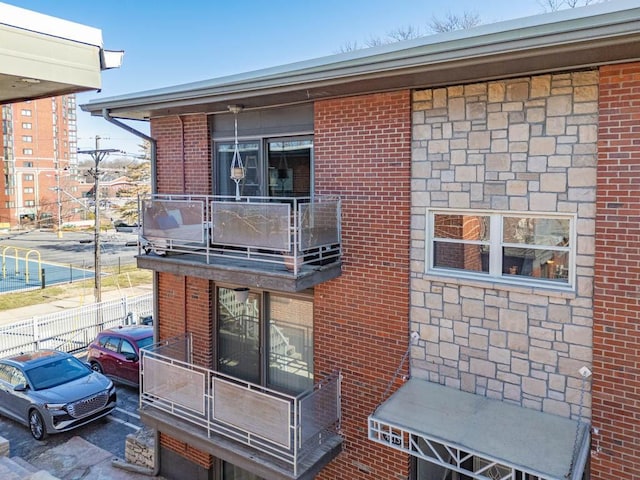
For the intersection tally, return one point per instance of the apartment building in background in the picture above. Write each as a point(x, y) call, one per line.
point(43, 63)
point(39, 156)
point(413, 261)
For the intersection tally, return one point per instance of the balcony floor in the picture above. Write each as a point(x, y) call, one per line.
point(238, 454)
point(272, 276)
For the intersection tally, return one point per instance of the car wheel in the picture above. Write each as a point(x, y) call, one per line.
point(36, 425)
point(95, 366)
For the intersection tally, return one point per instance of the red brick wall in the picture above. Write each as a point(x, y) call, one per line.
point(193, 454)
point(184, 305)
point(363, 154)
point(616, 353)
point(183, 153)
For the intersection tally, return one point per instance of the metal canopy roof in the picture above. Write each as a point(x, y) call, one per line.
point(44, 56)
point(507, 436)
point(570, 39)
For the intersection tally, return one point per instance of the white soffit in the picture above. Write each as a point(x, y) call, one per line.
point(44, 56)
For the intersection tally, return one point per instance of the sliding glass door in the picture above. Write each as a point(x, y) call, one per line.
point(266, 340)
point(279, 167)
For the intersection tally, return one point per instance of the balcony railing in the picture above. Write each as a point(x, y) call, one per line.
point(277, 231)
point(285, 428)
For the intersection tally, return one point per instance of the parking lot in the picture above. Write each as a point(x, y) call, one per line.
point(108, 433)
point(76, 248)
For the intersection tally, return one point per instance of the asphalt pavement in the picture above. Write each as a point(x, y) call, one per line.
point(75, 248)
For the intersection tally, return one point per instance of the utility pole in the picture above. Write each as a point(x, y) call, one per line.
point(97, 155)
point(59, 201)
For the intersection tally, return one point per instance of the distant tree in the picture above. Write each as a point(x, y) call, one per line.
point(555, 5)
point(405, 33)
point(397, 35)
point(453, 22)
point(139, 173)
point(436, 25)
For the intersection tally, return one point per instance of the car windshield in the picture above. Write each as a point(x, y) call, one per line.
point(56, 373)
point(144, 342)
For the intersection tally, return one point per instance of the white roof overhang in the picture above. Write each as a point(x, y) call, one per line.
point(570, 39)
point(43, 56)
point(446, 427)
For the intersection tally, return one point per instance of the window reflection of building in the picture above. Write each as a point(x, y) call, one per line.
point(529, 246)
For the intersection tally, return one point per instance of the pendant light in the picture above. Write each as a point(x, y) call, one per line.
point(237, 168)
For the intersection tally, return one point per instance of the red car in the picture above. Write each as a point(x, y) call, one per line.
point(116, 352)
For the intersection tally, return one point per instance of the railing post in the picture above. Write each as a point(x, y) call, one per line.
point(36, 332)
point(124, 301)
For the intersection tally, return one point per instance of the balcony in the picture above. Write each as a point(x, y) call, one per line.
point(282, 243)
point(272, 434)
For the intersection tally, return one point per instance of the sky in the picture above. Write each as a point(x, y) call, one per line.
point(168, 43)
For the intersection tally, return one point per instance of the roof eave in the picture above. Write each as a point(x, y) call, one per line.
point(458, 57)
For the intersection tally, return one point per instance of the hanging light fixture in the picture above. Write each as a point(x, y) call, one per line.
point(283, 167)
point(237, 168)
point(242, 294)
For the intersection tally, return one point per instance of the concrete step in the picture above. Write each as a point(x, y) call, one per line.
point(41, 475)
point(19, 469)
point(10, 470)
point(24, 464)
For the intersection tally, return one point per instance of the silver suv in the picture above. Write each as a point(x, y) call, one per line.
point(51, 391)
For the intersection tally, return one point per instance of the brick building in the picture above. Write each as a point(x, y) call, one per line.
point(43, 63)
point(39, 156)
point(462, 211)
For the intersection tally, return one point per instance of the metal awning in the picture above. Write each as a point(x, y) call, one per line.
point(478, 436)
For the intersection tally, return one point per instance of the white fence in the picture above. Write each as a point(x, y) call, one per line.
point(74, 328)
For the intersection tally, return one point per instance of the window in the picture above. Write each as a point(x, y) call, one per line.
point(28, 190)
point(26, 125)
point(112, 344)
point(425, 470)
point(126, 348)
point(27, 151)
point(25, 112)
point(12, 375)
point(27, 164)
point(502, 246)
point(29, 203)
point(27, 138)
point(28, 177)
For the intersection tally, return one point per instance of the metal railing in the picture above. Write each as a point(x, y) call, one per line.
point(293, 231)
point(284, 427)
point(74, 328)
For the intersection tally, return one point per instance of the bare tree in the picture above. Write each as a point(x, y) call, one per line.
point(453, 22)
point(140, 175)
point(405, 33)
point(555, 5)
point(397, 35)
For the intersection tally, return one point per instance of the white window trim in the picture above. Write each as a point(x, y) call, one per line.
point(495, 274)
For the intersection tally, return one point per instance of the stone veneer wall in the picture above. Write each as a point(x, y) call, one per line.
point(529, 145)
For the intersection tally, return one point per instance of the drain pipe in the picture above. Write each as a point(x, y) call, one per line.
point(133, 131)
point(154, 189)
